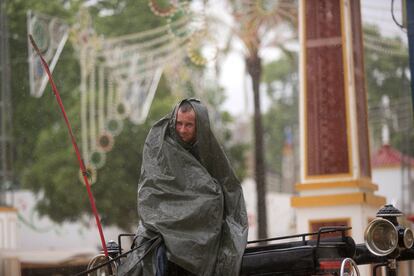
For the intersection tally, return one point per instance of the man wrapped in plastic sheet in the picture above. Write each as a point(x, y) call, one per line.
point(192, 213)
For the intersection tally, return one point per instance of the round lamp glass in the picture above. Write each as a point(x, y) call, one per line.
point(381, 237)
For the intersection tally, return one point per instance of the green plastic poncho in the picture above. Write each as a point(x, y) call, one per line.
point(190, 196)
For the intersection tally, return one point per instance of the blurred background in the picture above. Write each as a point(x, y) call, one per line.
point(122, 65)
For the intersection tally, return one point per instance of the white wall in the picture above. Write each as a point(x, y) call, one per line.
point(389, 181)
point(40, 233)
point(8, 221)
point(280, 216)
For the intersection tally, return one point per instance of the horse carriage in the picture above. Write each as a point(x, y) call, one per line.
point(330, 251)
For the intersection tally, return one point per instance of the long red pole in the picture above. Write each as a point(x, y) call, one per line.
point(75, 146)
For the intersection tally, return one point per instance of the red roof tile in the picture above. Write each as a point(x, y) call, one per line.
point(387, 156)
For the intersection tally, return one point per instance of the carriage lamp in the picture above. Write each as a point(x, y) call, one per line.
point(405, 237)
point(381, 237)
point(383, 234)
point(113, 248)
point(100, 259)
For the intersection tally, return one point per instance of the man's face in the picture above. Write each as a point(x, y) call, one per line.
point(186, 125)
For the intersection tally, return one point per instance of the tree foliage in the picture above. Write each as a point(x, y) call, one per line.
point(30, 114)
point(236, 151)
point(55, 174)
point(387, 74)
point(45, 160)
point(281, 80)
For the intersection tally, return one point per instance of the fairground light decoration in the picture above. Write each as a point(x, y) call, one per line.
point(118, 76)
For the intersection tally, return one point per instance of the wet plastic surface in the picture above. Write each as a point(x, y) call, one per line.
point(189, 195)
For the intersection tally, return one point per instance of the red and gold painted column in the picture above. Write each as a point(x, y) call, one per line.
point(335, 182)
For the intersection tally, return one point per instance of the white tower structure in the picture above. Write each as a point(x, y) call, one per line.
point(335, 184)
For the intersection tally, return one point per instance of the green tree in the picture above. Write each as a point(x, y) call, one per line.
point(387, 73)
point(253, 24)
point(45, 161)
point(56, 172)
point(129, 16)
point(221, 123)
point(30, 114)
point(281, 80)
